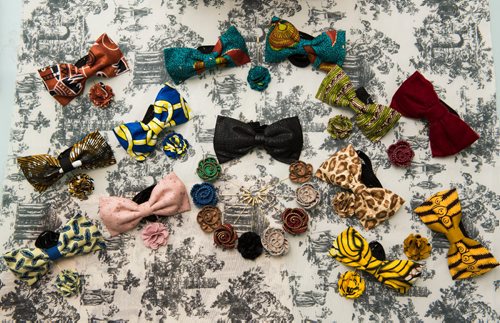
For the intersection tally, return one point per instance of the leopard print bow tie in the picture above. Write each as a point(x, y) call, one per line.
point(371, 205)
point(466, 257)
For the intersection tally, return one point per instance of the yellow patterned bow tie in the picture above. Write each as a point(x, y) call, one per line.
point(466, 257)
point(78, 236)
point(353, 250)
point(371, 205)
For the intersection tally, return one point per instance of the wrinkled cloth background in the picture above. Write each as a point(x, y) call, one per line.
point(191, 280)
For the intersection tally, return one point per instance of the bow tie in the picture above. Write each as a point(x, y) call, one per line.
point(139, 138)
point(466, 257)
point(183, 63)
point(285, 41)
point(67, 81)
point(43, 170)
point(374, 120)
point(372, 205)
point(78, 236)
point(168, 197)
point(353, 250)
point(282, 139)
point(448, 134)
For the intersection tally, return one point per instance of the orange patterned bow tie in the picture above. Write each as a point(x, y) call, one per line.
point(67, 81)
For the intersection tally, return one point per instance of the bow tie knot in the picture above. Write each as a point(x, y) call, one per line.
point(372, 205)
point(260, 139)
point(53, 253)
point(168, 197)
point(436, 113)
point(466, 257)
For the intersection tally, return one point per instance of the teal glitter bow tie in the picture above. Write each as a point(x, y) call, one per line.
point(139, 138)
point(285, 41)
point(183, 63)
point(78, 236)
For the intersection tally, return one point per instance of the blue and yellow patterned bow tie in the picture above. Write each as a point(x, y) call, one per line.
point(183, 63)
point(78, 236)
point(139, 138)
point(285, 41)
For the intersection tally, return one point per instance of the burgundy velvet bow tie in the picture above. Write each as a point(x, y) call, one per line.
point(448, 134)
point(67, 81)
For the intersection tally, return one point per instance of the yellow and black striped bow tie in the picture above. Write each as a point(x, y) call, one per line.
point(466, 257)
point(353, 250)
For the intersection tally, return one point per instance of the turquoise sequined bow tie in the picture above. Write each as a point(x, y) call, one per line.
point(139, 138)
point(78, 236)
point(183, 63)
point(285, 41)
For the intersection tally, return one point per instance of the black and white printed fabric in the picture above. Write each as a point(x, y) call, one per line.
point(191, 280)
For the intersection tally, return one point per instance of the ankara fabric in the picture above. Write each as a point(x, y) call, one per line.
point(229, 51)
point(67, 81)
point(467, 257)
point(139, 138)
point(189, 279)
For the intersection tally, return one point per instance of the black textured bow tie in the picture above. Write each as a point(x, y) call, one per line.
point(282, 139)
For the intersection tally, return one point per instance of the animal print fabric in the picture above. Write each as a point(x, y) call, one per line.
point(372, 206)
point(189, 279)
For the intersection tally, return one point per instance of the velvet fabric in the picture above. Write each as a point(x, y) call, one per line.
point(448, 134)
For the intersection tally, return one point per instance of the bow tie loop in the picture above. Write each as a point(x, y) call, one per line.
point(78, 236)
point(372, 205)
point(67, 81)
point(183, 63)
point(466, 257)
point(436, 113)
point(283, 139)
point(44, 170)
point(260, 139)
point(168, 197)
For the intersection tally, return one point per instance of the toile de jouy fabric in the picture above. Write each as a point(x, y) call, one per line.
point(191, 280)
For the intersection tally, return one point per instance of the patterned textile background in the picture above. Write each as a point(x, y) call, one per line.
point(191, 280)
